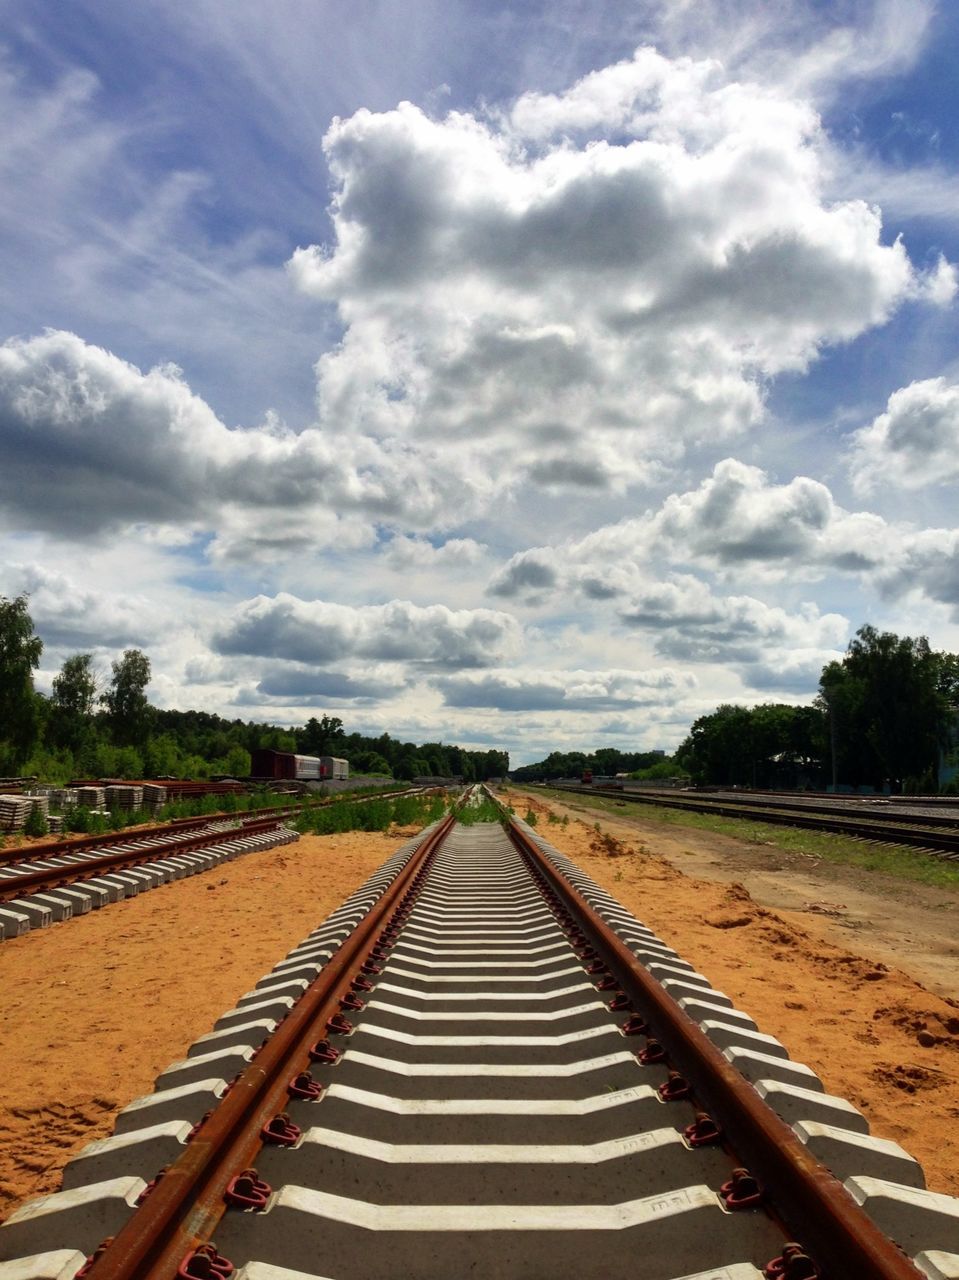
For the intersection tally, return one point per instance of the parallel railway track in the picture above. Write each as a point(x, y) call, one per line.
point(57, 880)
point(938, 834)
point(483, 1065)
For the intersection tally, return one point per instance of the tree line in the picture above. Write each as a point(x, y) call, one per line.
point(886, 715)
point(605, 761)
point(91, 726)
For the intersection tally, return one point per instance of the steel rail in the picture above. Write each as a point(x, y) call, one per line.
point(889, 832)
point(184, 1207)
point(139, 831)
point(14, 887)
point(805, 1196)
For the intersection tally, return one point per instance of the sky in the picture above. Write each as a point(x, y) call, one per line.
point(534, 376)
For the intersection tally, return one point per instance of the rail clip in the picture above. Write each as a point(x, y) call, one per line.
point(247, 1191)
point(281, 1131)
point(742, 1191)
point(793, 1264)
point(205, 1263)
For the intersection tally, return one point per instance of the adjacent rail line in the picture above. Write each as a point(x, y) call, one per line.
point(483, 1064)
point(936, 834)
point(56, 881)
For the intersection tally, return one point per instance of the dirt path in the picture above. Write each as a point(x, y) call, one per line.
point(861, 994)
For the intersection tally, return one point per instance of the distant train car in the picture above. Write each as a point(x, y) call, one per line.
point(265, 763)
point(334, 768)
point(307, 768)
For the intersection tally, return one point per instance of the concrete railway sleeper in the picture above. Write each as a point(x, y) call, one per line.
point(55, 882)
point(471, 1068)
point(49, 890)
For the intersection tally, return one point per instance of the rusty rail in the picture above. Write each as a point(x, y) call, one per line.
point(184, 1207)
point(804, 1195)
point(75, 872)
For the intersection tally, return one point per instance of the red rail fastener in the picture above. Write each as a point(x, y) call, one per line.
point(205, 1263)
point(281, 1131)
point(360, 983)
point(304, 1086)
point(742, 1191)
point(654, 1052)
point(199, 1125)
point(635, 1025)
point(150, 1185)
point(675, 1088)
point(98, 1252)
point(793, 1264)
point(247, 1191)
point(703, 1131)
point(323, 1051)
point(619, 1002)
point(338, 1025)
point(351, 1001)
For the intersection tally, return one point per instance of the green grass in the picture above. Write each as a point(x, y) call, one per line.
point(484, 810)
point(901, 862)
point(370, 814)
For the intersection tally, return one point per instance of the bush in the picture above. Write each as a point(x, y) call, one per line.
point(36, 823)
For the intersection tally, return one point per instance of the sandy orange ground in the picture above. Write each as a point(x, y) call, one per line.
point(94, 1009)
point(873, 1034)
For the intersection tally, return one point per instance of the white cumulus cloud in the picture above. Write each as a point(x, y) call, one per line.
point(914, 443)
point(326, 634)
point(592, 279)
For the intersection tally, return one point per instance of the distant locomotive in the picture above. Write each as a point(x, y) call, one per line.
point(284, 764)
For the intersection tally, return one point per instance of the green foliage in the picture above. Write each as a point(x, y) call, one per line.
point(658, 772)
point(889, 708)
point(370, 813)
point(36, 823)
point(570, 764)
point(766, 746)
point(21, 710)
point(530, 818)
point(71, 703)
point(480, 809)
point(126, 703)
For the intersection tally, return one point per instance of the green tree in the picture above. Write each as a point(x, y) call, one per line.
point(888, 703)
point(21, 710)
point(72, 702)
point(128, 711)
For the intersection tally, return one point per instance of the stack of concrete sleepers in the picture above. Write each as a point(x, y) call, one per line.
point(124, 798)
point(154, 796)
point(14, 810)
point(91, 797)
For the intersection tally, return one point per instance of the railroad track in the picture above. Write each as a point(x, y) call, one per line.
point(46, 890)
point(62, 879)
point(483, 1065)
point(939, 837)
